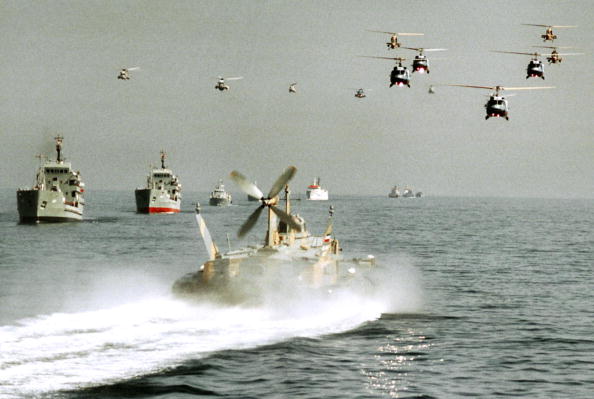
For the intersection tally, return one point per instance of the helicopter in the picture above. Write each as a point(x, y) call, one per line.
point(421, 62)
point(221, 86)
point(125, 73)
point(360, 93)
point(393, 43)
point(555, 57)
point(497, 105)
point(293, 88)
point(549, 35)
point(400, 75)
point(535, 68)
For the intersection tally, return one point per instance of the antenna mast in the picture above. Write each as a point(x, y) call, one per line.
point(59, 139)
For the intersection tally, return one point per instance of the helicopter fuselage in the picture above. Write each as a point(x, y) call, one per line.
point(420, 64)
point(535, 69)
point(496, 107)
point(221, 86)
point(548, 36)
point(400, 76)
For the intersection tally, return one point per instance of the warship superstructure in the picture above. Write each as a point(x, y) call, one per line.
point(219, 197)
point(289, 256)
point(57, 195)
point(394, 193)
point(162, 193)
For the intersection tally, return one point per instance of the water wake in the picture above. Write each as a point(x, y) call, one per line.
point(65, 351)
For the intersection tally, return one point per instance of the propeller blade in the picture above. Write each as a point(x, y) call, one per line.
point(544, 26)
point(133, 68)
point(250, 222)
point(285, 217)
point(235, 78)
point(410, 34)
point(282, 180)
point(247, 186)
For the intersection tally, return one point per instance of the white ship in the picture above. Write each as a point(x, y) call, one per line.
point(315, 192)
point(219, 197)
point(408, 193)
point(162, 193)
point(57, 195)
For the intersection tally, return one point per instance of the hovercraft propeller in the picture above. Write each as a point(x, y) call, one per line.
point(270, 201)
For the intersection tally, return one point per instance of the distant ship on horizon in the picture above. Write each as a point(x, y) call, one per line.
point(406, 193)
point(219, 197)
point(315, 192)
point(57, 195)
point(162, 193)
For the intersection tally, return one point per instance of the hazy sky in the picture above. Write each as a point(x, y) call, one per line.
point(60, 60)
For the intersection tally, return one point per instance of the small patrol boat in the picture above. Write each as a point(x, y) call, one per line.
point(162, 193)
point(290, 256)
point(315, 192)
point(57, 195)
point(394, 193)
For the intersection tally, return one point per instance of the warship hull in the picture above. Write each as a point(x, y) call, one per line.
point(219, 201)
point(47, 206)
point(155, 201)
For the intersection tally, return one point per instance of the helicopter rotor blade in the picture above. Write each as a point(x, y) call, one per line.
point(552, 26)
point(285, 217)
point(527, 88)
point(471, 86)
point(555, 47)
point(247, 186)
point(515, 52)
point(235, 78)
point(251, 221)
point(133, 68)
point(422, 50)
point(384, 58)
point(282, 181)
point(549, 55)
point(395, 33)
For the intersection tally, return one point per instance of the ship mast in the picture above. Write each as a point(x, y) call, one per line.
point(59, 139)
point(163, 156)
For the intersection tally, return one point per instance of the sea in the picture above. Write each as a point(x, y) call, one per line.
point(479, 297)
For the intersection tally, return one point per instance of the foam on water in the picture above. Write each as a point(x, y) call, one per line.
point(64, 351)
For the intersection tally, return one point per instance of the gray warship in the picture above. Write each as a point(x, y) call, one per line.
point(57, 195)
point(219, 197)
point(162, 193)
point(290, 256)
